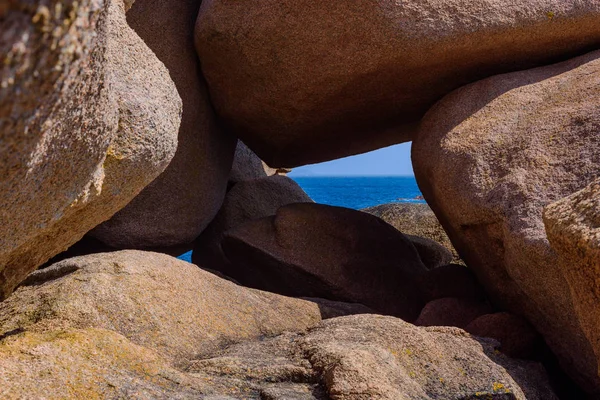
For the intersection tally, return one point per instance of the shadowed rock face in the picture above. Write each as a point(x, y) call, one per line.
point(88, 118)
point(517, 337)
point(176, 207)
point(573, 228)
point(314, 250)
point(488, 159)
point(311, 81)
point(246, 201)
point(416, 220)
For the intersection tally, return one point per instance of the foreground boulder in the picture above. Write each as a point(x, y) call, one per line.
point(152, 299)
point(488, 159)
point(314, 250)
point(119, 323)
point(573, 228)
point(374, 357)
point(357, 76)
point(176, 207)
point(246, 201)
point(417, 220)
point(88, 118)
point(344, 358)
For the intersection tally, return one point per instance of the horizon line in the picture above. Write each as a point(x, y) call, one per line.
point(291, 175)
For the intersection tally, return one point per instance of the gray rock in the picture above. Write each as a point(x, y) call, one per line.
point(247, 166)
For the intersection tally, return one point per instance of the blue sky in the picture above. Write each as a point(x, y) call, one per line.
point(390, 161)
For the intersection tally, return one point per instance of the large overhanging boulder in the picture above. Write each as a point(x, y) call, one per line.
point(308, 81)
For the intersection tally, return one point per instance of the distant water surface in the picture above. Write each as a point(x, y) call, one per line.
point(361, 192)
point(356, 192)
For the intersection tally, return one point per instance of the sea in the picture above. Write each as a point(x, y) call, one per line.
point(361, 192)
point(357, 192)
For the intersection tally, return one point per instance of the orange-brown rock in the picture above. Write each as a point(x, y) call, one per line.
point(154, 300)
point(176, 207)
point(573, 228)
point(88, 118)
point(311, 81)
point(488, 159)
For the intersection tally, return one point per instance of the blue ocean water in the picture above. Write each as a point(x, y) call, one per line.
point(356, 192)
point(361, 192)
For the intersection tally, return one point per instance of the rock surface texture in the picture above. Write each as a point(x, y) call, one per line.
point(246, 201)
point(313, 250)
point(355, 76)
point(88, 118)
point(415, 220)
point(488, 159)
point(573, 228)
point(119, 323)
point(179, 204)
point(247, 166)
point(145, 325)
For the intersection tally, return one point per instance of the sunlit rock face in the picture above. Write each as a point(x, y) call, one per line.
point(88, 118)
point(488, 158)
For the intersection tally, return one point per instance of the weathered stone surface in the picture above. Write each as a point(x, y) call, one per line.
point(246, 201)
point(332, 309)
point(248, 166)
point(176, 207)
point(154, 300)
point(451, 311)
point(88, 118)
point(347, 75)
point(126, 324)
point(314, 250)
point(451, 280)
point(573, 228)
point(488, 159)
point(144, 325)
point(516, 336)
point(415, 220)
point(374, 357)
